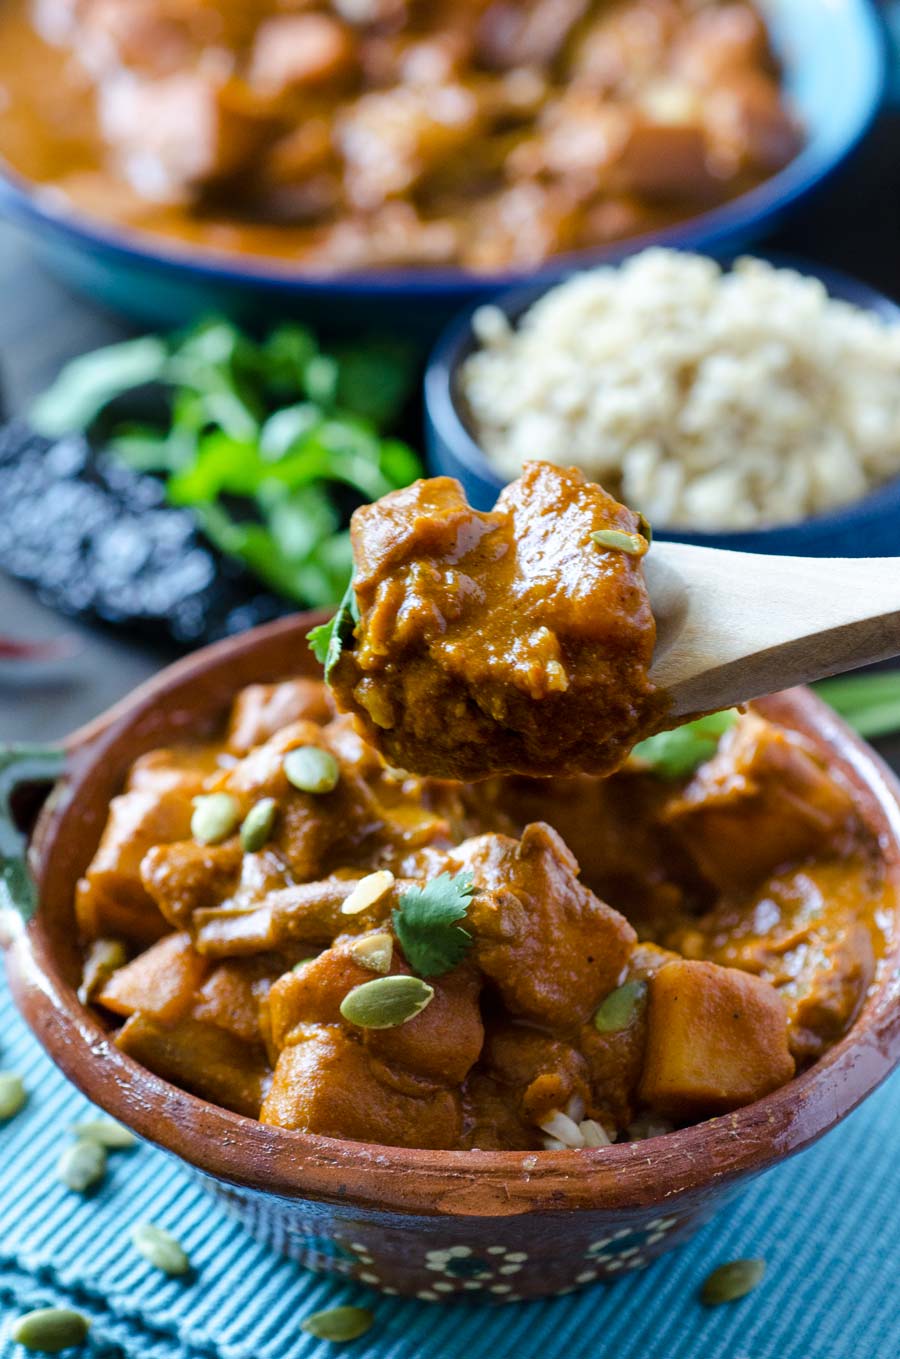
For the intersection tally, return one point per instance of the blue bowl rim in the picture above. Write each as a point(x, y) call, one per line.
point(457, 341)
point(39, 206)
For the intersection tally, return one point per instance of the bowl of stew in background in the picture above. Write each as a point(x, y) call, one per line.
point(868, 526)
point(440, 1225)
point(160, 263)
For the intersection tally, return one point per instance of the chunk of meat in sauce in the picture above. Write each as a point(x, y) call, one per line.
point(501, 642)
point(546, 943)
point(765, 799)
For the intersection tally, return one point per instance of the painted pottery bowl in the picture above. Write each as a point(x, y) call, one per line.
point(491, 1226)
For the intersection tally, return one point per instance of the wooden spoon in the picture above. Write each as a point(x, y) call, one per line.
point(732, 626)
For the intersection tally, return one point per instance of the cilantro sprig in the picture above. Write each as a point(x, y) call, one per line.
point(328, 640)
point(269, 443)
point(676, 754)
point(425, 923)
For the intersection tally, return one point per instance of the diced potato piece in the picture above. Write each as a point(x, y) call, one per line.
point(261, 710)
point(161, 982)
point(717, 1039)
point(111, 900)
point(200, 1057)
point(764, 800)
point(326, 1082)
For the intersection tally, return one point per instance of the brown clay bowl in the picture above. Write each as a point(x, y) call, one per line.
point(475, 1225)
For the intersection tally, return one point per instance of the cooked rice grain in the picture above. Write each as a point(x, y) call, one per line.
point(707, 400)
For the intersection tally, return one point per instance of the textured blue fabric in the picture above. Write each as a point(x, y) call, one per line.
point(826, 1222)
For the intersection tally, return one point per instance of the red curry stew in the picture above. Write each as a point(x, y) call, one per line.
point(349, 134)
point(720, 933)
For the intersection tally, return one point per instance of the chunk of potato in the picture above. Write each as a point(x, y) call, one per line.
point(717, 1039)
point(162, 982)
point(200, 1057)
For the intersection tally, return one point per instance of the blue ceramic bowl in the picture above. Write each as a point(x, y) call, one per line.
point(866, 528)
point(834, 56)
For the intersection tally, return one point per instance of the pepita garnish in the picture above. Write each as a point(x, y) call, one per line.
point(160, 1249)
point(105, 956)
point(50, 1330)
point(82, 1165)
point(616, 541)
point(732, 1281)
point(215, 817)
point(106, 1132)
point(257, 824)
point(368, 891)
point(13, 1095)
point(374, 951)
point(386, 1002)
point(299, 966)
point(621, 1007)
point(339, 1323)
point(312, 770)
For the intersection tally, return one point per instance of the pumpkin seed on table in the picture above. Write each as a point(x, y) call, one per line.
point(48, 1330)
point(106, 1132)
point(13, 1095)
point(257, 824)
point(386, 1002)
point(160, 1249)
point(339, 1324)
point(82, 1165)
point(621, 1007)
point(215, 817)
point(311, 769)
point(730, 1282)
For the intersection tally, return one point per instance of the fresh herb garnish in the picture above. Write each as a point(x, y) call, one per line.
point(270, 444)
point(328, 640)
point(676, 754)
point(425, 924)
point(870, 703)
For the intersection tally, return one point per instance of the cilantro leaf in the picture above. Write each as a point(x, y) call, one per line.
point(328, 640)
point(425, 924)
point(676, 754)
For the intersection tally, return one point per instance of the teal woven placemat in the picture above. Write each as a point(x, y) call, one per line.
point(826, 1223)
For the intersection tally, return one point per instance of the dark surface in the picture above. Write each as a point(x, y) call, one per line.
point(854, 225)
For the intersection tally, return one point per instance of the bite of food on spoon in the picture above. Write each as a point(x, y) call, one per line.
point(540, 639)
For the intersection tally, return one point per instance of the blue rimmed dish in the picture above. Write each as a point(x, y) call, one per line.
point(824, 45)
point(869, 527)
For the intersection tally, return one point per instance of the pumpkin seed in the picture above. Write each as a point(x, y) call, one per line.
point(298, 967)
point(215, 817)
point(621, 1007)
point(732, 1281)
point(374, 951)
point(13, 1095)
point(312, 769)
point(160, 1249)
point(645, 528)
point(82, 1165)
point(106, 1132)
point(367, 891)
point(616, 541)
point(105, 956)
point(257, 824)
point(339, 1323)
point(51, 1329)
point(386, 1002)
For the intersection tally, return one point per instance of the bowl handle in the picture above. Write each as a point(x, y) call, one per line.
point(20, 765)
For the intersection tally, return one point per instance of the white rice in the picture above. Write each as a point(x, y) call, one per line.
point(707, 400)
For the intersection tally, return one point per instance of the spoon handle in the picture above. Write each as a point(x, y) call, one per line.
point(732, 626)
